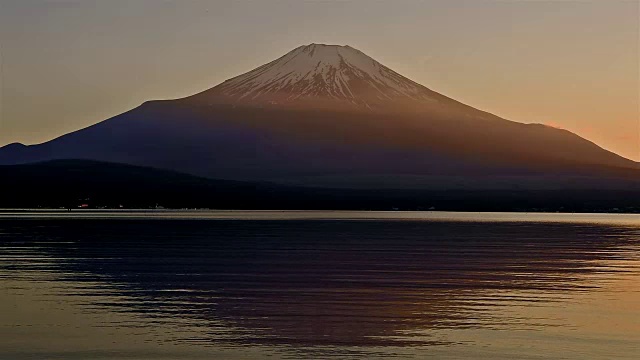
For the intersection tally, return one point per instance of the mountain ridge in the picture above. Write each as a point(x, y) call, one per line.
point(73, 184)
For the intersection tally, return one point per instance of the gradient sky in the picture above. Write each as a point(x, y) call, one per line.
point(66, 64)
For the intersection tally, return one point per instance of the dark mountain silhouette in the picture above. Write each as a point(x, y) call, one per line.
point(76, 183)
point(327, 115)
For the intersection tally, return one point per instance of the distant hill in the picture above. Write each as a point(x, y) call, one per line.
point(76, 183)
point(73, 183)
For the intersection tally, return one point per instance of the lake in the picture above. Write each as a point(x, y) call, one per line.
point(318, 285)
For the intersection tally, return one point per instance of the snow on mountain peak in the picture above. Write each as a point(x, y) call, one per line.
point(327, 72)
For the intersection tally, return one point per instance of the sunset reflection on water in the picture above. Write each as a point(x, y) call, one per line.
point(201, 285)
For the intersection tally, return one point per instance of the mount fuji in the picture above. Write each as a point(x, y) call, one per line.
point(331, 116)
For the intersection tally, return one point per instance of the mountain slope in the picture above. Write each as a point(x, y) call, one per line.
point(322, 113)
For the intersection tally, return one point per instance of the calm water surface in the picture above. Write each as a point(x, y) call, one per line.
point(318, 285)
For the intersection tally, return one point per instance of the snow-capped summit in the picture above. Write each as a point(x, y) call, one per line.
point(323, 73)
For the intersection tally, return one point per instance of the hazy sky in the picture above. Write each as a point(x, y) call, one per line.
point(66, 64)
